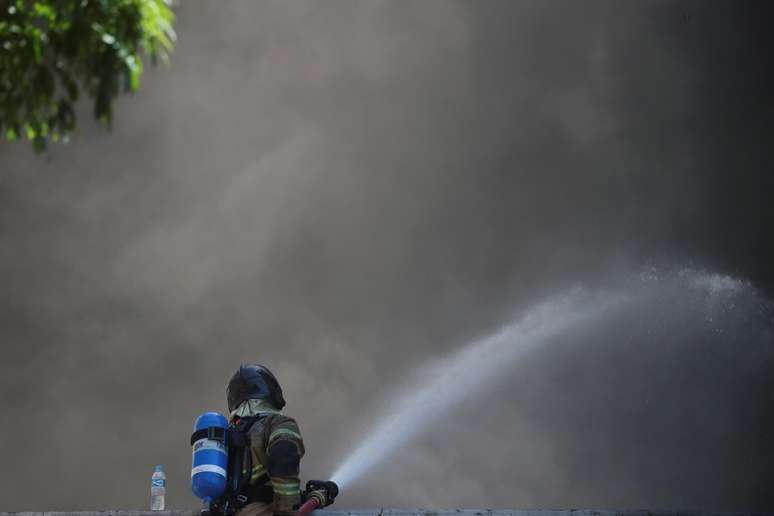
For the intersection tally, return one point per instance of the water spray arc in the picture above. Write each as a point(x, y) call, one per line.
point(707, 302)
point(451, 382)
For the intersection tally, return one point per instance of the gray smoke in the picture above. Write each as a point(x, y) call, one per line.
point(345, 191)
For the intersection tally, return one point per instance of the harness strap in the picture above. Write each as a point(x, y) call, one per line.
point(243, 471)
point(215, 433)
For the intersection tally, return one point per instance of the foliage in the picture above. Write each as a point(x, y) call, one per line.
point(52, 51)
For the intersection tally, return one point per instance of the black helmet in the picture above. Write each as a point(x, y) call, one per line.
point(253, 381)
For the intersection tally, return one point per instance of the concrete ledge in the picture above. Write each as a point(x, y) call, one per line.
point(424, 512)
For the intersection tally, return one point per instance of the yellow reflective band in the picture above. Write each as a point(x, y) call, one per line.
point(284, 431)
point(286, 487)
point(287, 492)
point(258, 471)
point(258, 466)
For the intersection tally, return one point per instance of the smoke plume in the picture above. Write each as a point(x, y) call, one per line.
point(347, 191)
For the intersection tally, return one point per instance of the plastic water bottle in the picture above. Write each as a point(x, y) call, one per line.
point(158, 489)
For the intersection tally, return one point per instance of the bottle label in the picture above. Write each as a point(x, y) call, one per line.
point(158, 482)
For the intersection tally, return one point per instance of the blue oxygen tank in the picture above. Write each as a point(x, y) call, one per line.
point(210, 456)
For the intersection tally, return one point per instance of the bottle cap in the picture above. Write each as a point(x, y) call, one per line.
point(159, 468)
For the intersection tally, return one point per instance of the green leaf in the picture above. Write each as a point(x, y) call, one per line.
point(52, 50)
point(134, 67)
point(44, 83)
point(37, 49)
point(70, 87)
point(42, 10)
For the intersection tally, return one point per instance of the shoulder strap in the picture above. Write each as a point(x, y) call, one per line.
point(240, 457)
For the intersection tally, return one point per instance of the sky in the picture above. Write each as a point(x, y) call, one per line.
point(351, 191)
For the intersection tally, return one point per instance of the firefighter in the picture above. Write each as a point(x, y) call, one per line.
point(265, 446)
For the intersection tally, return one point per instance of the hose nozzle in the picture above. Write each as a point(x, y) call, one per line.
point(319, 493)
